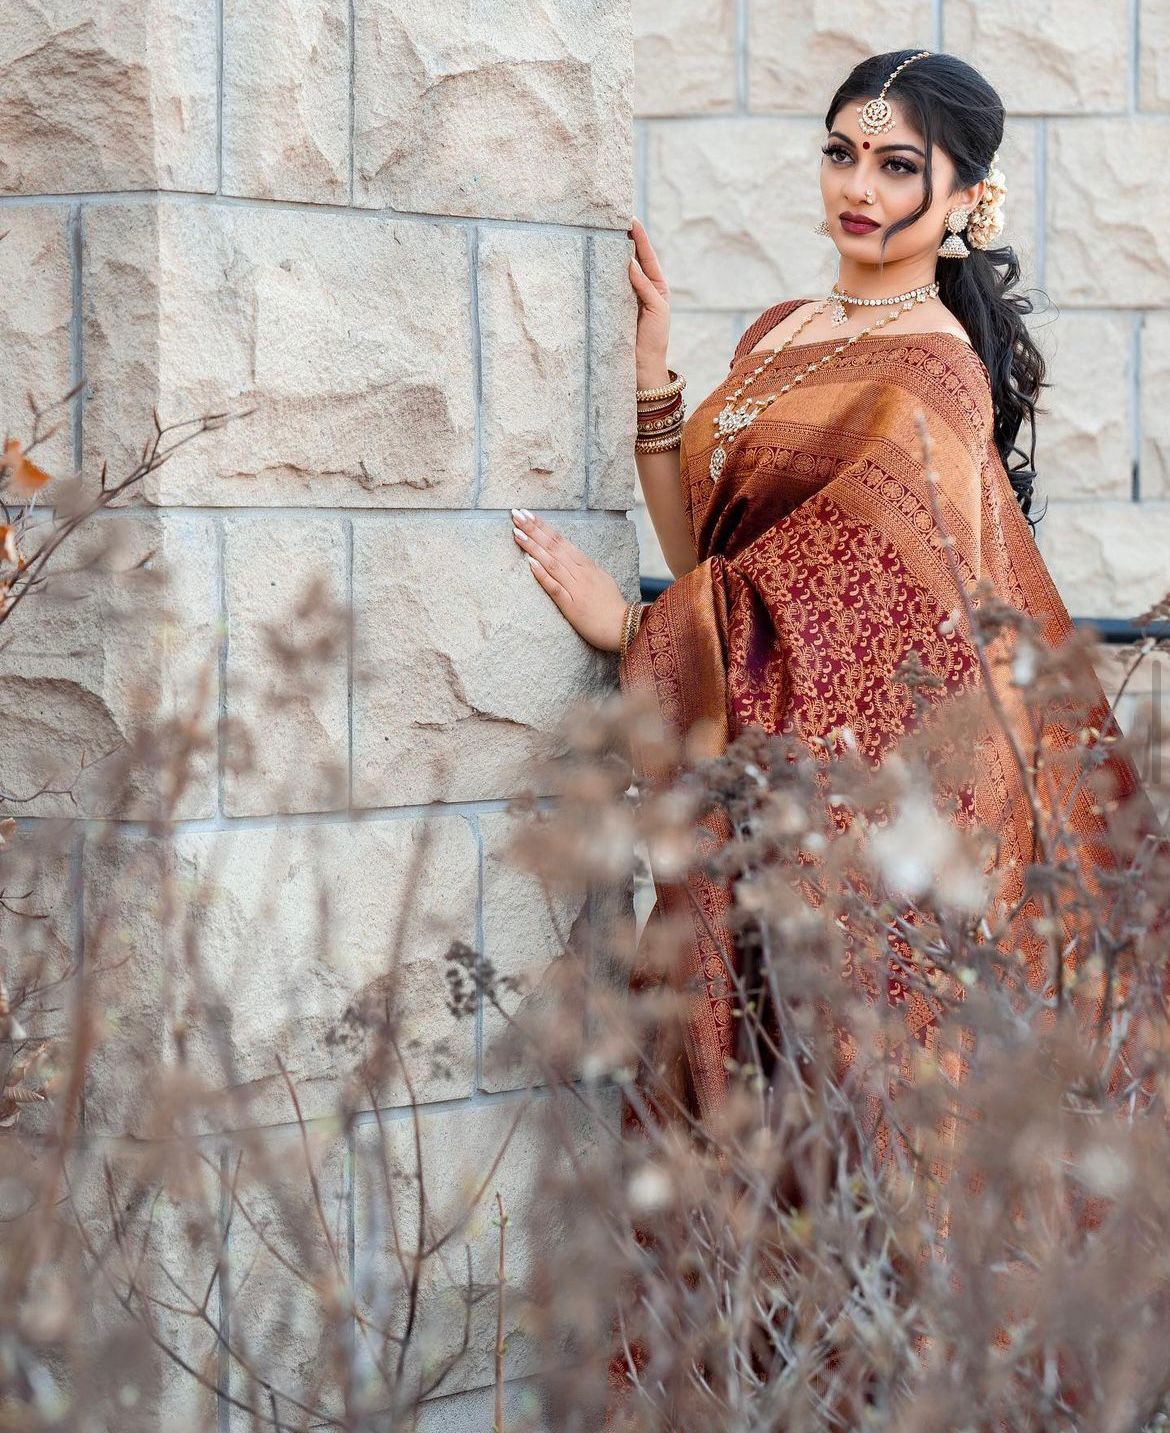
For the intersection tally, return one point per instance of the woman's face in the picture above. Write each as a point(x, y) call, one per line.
point(890, 166)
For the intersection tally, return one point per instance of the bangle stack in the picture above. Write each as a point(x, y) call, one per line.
point(661, 414)
point(630, 624)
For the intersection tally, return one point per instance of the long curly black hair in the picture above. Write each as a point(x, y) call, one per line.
point(951, 104)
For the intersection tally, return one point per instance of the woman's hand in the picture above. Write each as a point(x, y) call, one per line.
point(653, 292)
point(587, 595)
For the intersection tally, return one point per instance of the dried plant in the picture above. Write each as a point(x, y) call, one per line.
point(226, 1202)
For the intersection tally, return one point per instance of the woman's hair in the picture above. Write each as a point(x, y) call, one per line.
point(951, 103)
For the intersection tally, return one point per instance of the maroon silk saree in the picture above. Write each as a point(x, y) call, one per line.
point(821, 569)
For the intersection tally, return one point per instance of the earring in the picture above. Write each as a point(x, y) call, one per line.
point(953, 247)
point(821, 228)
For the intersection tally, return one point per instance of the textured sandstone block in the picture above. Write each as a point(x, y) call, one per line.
point(1155, 459)
point(532, 326)
point(147, 1230)
point(459, 1148)
point(523, 933)
point(684, 56)
point(36, 282)
point(1083, 437)
point(463, 666)
point(288, 1265)
point(799, 54)
point(1057, 57)
point(613, 321)
point(732, 208)
point(277, 946)
point(286, 100)
point(1101, 201)
point(1154, 55)
point(1108, 558)
point(1018, 161)
point(287, 746)
point(543, 89)
point(473, 1411)
point(108, 685)
point(107, 94)
point(36, 937)
point(350, 339)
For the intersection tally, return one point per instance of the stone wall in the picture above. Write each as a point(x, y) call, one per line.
point(730, 97)
point(393, 230)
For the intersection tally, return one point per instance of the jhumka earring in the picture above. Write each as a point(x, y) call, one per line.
point(821, 228)
point(953, 247)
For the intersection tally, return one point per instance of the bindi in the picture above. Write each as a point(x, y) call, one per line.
point(865, 144)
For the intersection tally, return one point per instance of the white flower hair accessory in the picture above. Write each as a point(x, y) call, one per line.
point(986, 221)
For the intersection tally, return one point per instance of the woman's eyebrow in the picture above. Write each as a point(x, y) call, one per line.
point(881, 149)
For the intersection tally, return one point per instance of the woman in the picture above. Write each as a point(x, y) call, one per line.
point(793, 505)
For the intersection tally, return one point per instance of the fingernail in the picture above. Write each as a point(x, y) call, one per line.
point(531, 560)
point(516, 531)
point(525, 513)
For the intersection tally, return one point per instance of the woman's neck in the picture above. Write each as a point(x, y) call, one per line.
point(868, 281)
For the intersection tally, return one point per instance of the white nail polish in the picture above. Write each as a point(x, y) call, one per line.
point(516, 512)
point(525, 513)
point(531, 559)
point(516, 531)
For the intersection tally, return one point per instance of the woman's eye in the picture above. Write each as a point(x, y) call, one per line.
point(901, 166)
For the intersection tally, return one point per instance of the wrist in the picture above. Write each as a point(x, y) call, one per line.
point(651, 375)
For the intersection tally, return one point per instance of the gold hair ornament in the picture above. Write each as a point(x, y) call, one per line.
point(877, 116)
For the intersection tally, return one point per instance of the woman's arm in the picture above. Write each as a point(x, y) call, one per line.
point(659, 473)
point(661, 480)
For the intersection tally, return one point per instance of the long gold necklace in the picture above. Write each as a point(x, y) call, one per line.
point(731, 421)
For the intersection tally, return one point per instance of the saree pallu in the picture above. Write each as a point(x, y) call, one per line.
point(821, 570)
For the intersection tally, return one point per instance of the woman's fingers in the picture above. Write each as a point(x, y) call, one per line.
point(556, 590)
point(553, 548)
point(646, 255)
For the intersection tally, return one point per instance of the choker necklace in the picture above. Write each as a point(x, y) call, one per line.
point(730, 421)
point(839, 316)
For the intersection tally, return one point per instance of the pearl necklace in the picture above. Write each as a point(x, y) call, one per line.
point(838, 309)
point(731, 421)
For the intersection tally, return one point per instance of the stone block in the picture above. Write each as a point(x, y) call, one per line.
point(250, 949)
point(532, 325)
point(108, 677)
point(525, 932)
point(613, 323)
point(140, 1245)
point(287, 676)
point(286, 100)
point(544, 90)
point(685, 59)
point(1083, 445)
point(463, 665)
point(1101, 201)
point(288, 1276)
point(107, 94)
point(36, 280)
point(1153, 55)
point(467, 1155)
point(1155, 400)
point(732, 208)
point(1108, 558)
point(1070, 57)
point(799, 54)
point(351, 340)
point(475, 1410)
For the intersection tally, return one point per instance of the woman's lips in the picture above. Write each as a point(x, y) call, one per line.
point(859, 226)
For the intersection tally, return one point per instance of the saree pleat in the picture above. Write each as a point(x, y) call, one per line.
point(828, 557)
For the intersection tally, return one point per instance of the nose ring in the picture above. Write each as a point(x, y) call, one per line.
point(869, 196)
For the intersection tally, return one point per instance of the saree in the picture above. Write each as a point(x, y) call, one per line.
point(822, 567)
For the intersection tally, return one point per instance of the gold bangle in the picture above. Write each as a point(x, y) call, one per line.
point(668, 390)
point(631, 621)
point(659, 425)
point(658, 445)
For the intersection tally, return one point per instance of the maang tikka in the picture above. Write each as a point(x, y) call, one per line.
point(877, 116)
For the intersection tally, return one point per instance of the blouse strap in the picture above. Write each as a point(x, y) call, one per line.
point(762, 325)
